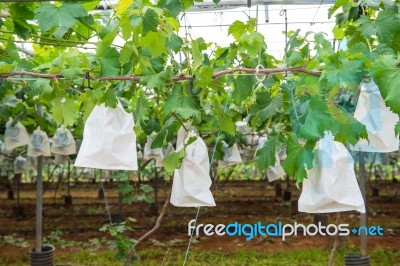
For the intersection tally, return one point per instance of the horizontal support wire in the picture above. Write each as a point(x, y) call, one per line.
point(266, 71)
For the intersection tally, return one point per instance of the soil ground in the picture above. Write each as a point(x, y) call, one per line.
point(242, 201)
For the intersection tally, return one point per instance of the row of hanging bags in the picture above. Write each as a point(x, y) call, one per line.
point(109, 141)
point(331, 185)
point(192, 181)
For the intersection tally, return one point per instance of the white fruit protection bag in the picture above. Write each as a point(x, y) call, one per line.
point(21, 165)
point(63, 142)
point(379, 120)
point(242, 127)
point(331, 186)
point(273, 172)
point(231, 155)
point(109, 141)
point(192, 182)
point(15, 135)
point(39, 144)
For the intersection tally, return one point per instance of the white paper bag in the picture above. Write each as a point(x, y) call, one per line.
point(242, 127)
point(273, 172)
point(109, 141)
point(21, 165)
point(231, 156)
point(192, 182)
point(15, 136)
point(180, 137)
point(39, 144)
point(149, 153)
point(63, 142)
point(379, 120)
point(331, 186)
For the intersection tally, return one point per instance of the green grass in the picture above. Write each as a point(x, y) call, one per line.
point(172, 257)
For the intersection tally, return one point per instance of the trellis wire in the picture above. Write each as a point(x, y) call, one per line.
point(106, 201)
point(211, 161)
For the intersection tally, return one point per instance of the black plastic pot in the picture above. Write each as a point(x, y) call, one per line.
point(294, 207)
point(18, 211)
point(320, 218)
point(43, 258)
point(10, 194)
point(356, 260)
point(117, 218)
point(278, 191)
point(68, 200)
point(287, 195)
point(100, 194)
point(375, 192)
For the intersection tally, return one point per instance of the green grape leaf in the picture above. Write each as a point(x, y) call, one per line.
point(243, 86)
point(135, 20)
point(160, 139)
point(174, 160)
point(125, 188)
point(173, 6)
point(156, 80)
point(237, 29)
point(175, 43)
point(299, 158)
point(41, 86)
point(346, 128)
point(109, 98)
point(184, 105)
point(62, 17)
point(265, 107)
point(265, 157)
point(204, 77)
point(141, 111)
point(122, 6)
point(385, 26)
point(252, 43)
point(72, 72)
point(155, 42)
point(64, 111)
point(109, 62)
point(317, 120)
point(225, 123)
point(342, 71)
point(198, 57)
point(150, 21)
point(386, 75)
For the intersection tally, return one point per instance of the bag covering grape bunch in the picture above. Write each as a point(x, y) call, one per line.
point(191, 184)
point(379, 120)
point(63, 142)
point(331, 186)
point(39, 144)
point(15, 135)
point(231, 155)
point(21, 165)
point(109, 141)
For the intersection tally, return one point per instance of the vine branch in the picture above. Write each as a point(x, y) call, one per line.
point(217, 74)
